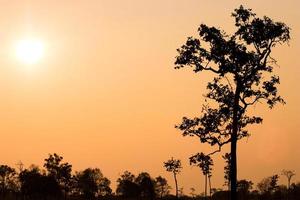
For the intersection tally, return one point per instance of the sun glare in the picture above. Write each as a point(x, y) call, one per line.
point(29, 51)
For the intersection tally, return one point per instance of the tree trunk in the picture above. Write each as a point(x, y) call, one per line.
point(205, 191)
point(234, 136)
point(209, 183)
point(176, 186)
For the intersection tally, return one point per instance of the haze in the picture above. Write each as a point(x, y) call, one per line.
point(106, 93)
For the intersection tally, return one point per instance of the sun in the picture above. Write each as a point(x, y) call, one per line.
point(29, 51)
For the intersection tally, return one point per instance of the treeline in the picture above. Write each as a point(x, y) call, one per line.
point(56, 181)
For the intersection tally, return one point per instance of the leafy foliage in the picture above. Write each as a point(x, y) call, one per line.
point(243, 69)
point(91, 183)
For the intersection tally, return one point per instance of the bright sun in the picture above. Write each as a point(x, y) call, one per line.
point(29, 51)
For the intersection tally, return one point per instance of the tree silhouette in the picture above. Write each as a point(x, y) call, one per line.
point(226, 157)
point(243, 188)
point(147, 185)
point(268, 185)
point(37, 185)
point(91, 183)
point(127, 187)
point(7, 176)
point(174, 166)
point(205, 163)
point(192, 193)
point(288, 174)
point(59, 171)
point(161, 186)
point(243, 69)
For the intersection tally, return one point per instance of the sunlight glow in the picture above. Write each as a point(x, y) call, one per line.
point(29, 51)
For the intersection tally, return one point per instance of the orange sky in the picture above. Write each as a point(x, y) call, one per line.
point(106, 94)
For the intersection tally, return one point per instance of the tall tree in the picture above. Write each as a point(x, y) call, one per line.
point(174, 166)
point(243, 75)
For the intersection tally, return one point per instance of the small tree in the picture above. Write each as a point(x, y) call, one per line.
point(243, 188)
point(7, 179)
point(193, 192)
point(61, 172)
point(175, 167)
point(146, 185)
point(161, 186)
point(288, 174)
point(35, 183)
point(92, 183)
point(268, 185)
point(127, 187)
point(205, 163)
point(226, 157)
point(243, 69)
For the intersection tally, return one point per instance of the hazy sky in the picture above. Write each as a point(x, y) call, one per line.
point(106, 93)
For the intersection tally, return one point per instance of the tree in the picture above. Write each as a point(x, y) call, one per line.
point(7, 179)
point(127, 187)
point(192, 193)
point(268, 185)
point(146, 185)
point(288, 174)
point(243, 188)
point(226, 157)
point(91, 183)
point(59, 171)
point(243, 75)
point(174, 166)
point(37, 185)
point(161, 186)
point(104, 187)
point(205, 163)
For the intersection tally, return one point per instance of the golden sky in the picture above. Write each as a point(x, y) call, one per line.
point(106, 94)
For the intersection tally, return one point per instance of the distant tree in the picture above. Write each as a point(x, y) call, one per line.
point(226, 157)
point(268, 185)
point(161, 186)
point(91, 183)
point(7, 179)
point(147, 185)
point(104, 188)
point(288, 174)
point(192, 192)
point(243, 75)
point(59, 171)
point(205, 163)
point(295, 190)
point(174, 166)
point(244, 188)
point(37, 185)
point(127, 187)
point(180, 192)
point(20, 166)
